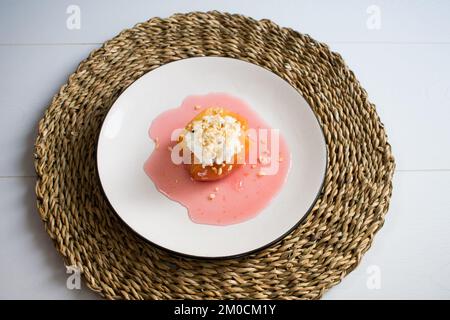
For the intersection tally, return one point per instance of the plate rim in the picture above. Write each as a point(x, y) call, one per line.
point(190, 256)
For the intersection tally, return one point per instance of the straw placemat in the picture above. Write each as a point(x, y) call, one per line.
point(117, 263)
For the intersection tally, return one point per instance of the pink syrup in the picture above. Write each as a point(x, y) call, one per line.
point(236, 198)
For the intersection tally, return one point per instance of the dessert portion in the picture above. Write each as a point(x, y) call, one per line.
point(216, 141)
point(214, 155)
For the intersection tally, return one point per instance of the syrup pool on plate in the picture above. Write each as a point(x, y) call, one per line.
point(233, 199)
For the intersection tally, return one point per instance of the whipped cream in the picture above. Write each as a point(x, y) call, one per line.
point(214, 139)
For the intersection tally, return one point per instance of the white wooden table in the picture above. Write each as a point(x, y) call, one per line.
point(399, 50)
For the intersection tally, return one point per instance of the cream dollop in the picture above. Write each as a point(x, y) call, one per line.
point(214, 139)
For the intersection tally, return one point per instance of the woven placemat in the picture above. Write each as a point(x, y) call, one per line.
point(116, 263)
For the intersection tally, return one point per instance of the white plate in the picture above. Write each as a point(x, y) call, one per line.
point(124, 146)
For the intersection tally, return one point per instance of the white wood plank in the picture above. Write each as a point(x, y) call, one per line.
point(408, 83)
point(31, 268)
point(402, 66)
point(411, 253)
point(410, 86)
point(31, 76)
point(400, 21)
point(412, 250)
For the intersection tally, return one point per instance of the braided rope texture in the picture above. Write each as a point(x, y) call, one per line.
point(117, 263)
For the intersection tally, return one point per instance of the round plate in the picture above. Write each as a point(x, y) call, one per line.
point(124, 145)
